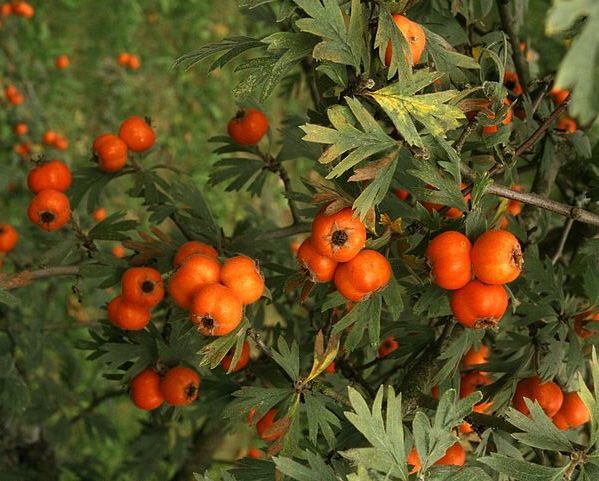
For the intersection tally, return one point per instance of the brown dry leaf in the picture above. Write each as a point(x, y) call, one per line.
point(162, 236)
point(370, 220)
point(371, 170)
point(474, 105)
point(395, 226)
point(306, 291)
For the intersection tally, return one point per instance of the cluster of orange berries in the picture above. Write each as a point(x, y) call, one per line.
point(141, 290)
point(111, 151)
point(179, 386)
point(494, 259)
point(19, 8)
point(13, 95)
point(335, 251)
point(566, 409)
point(128, 60)
point(56, 140)
point(214, 294)
point(50, 209)
point(9, 237)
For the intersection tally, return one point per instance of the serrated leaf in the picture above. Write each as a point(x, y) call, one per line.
point(522, 470)
point(404, 107)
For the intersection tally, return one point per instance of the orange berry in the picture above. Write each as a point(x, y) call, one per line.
point(401, 194)
point(448, 255)
point(255, 453)
point(492, 129)
point(549, 395)
point(123, 59)
point(20, 129)
point(474, 358)
point(512, 82)
point(8, 237)
point(248, 126)
point(62, 61)
point(566, 124)
point(244, 358)
point(193, 247)
point(580, 322)
point(388, 346)
point(118, 251)
point(99, 214)
point(339, 236)
point(559, 95)
point(145, 390)
point(369, 271)
point(216, 310)
point(414, 35)
point(242, 276)
point(265, 424)
point(111, 152)
point(53, 174)
point(134, 62)
point(49, 209)
point(127, 315)
point(142, 286)
point(61, 143)
point(49, 137)
point(137, 134)
point(573, 411)
point(180, 386)
point(196, 272)
point(319, 268)
point(497, 257)
point(478, 305)
point(344, 285)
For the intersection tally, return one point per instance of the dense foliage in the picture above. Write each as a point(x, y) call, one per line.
point(459, 143)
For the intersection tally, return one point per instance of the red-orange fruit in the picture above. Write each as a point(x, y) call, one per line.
point(369, 271)
point(388, 346)
point(196, 272)
point(180, 386)
point(559, 95)
point(318, 267)
point(145, 390)
point(244, 358)
point(8, 237)
point(497, 257)
point(478, 305)
point(345, 286)
point(476, 357)
point(448, 255)
point(111, 152)
point(492, 129)
point(580, 322)
point(573, 412)
point(414, 35)
point(99, 214)
point(137, 134)
point(566, 124)
point(512, 82)
point(62, 61)
point(549, 395)
point(127, 315)
point(263, 426)
point(142, 286)
point(248, 126)
point(216, 310)
point(53, 174)
point(339, 236)
point(49, 209)
point(242, 275)
point(193, 247)
point(454, 456)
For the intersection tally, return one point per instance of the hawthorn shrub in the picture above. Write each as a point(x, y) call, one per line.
point(425, 310)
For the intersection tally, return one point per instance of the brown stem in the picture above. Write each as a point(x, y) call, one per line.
point(24, 278)
point(562, 241)
point(536, 200)
point(538, 134)
point(509, 27)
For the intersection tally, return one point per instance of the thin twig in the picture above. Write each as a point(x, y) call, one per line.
point(562, 241)
point(24, 278)
point(509, 27)
point(257, 338)
point(274, 165)
point(538, 134)
point(529, 198)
